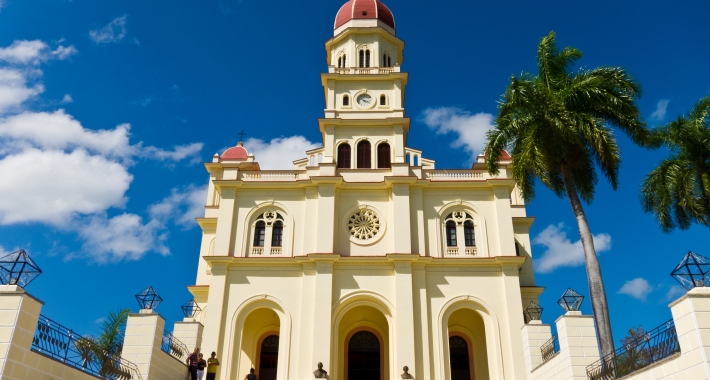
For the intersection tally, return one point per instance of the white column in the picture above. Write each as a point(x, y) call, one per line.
point(404, 318)
point(506, 236)
point(225, 218)
point(322, 314)
point(401, 218)
point(326, 214)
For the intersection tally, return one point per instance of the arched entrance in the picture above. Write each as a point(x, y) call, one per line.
point(269, 358)
point(364, 356)
point(459, 357)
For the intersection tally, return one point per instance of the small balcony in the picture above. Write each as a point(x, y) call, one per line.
point(363, 70)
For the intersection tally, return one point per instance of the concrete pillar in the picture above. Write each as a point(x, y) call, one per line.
point(691, 314)
point(19, 313)
point(404, 318)
point(535, 334)
point(189, 331)
point(578, 342)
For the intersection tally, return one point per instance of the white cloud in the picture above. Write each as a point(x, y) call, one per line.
point(674, 292)
point(178, 153)
point(67, 99)
point(15, 89)
point(25, 52)
point(114, 31)
point(471, 129)
point(637, 288)
point(122, 237)
point(661, 107)
point(182, 206)
point(52, 186)
point(279, 153)
point(561, 252)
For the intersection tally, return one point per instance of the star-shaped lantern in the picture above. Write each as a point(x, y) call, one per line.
point(533, 312)
point(149, 299)
point(18, 268)
point(571, 300)
point(190, 309)
point(692, 271)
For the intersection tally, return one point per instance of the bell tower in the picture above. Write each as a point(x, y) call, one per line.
point(364, 87)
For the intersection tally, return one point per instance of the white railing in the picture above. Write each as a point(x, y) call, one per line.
point(455, 175)
point(276, 251)
point(365, 70)
point(267, 175)
point(257, 251)
point(451, 251)
point(471, 251)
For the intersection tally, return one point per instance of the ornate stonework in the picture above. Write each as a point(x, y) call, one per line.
point(364, 224)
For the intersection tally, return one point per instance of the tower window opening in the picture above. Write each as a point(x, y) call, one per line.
point(346, 100)
point(362, 58)
point(344, 156)
point(389, 61)
point(383, 156)
point(416, 160)
point(345, 60)
point(383, 100)
point(367, 58)
point(364, 160)
point(259, 234)
point(384, 60)
point(450, 233)
point(340, 62)
point(277, 234)
point(469, 234)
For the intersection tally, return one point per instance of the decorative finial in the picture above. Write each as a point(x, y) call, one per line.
point(190, 309)
point(693, 271)
point(533, 312)
point(571, 300)
point(149, 299)
point(18, 268)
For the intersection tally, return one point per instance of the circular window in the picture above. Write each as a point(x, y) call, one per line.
point(364, 225)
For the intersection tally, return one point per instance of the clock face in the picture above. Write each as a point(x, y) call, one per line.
point(364, 100)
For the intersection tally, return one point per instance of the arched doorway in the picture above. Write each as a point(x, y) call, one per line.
point(459, 357)
point(269, 358)
point(364, 356)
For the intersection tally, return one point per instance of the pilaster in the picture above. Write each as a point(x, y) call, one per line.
point(217, 300)
point(401, 219)
point(404, 317)
point(514, 316)
point(422, 341)
point(326, 214)
point(225, 218)
point(322, 313)
point(416, 201)
point(506, 235)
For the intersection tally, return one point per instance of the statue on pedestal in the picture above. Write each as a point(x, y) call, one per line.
point(406, 374)
point(320, 373)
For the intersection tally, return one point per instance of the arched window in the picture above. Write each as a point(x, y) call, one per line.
point(363, 356)
point(383, 156)
point(362, 58)
point(344, 156)
point(384, 60)
point(364, 160)
point(269, 358)
point(389, 61)
point(469, 234)
point(340, 61)
point(259, 233)
point(277, 234)
point(345, 58)
point(346, 100)
point(383, 100)
point(367, 58)
point(451, 233)
point(268, 234)
point(458, 355)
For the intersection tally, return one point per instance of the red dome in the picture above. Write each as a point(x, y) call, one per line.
point(234, 153)
point(364, 9)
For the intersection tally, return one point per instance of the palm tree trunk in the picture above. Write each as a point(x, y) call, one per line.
point(594, 272)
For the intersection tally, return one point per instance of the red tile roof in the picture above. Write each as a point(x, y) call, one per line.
point(364, 9)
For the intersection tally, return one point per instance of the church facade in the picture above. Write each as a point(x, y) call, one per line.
point(365, 257)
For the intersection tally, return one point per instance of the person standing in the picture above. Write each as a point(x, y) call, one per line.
point(251, 375)
point(201, 364)
point(212, 364)
point(191, 361)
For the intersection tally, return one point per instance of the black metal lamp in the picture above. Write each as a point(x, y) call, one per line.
point(692, 271)
point(18, 268)
point(571, 300)
point(533, 312)
point(149, 299)
point(191, 309)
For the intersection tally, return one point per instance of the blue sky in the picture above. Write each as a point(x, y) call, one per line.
point(107, 110)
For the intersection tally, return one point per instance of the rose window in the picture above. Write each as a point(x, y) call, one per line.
point(364, 224)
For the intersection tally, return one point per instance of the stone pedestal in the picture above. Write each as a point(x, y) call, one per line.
point(19, 313)
point(535, 334)
point(189, 331)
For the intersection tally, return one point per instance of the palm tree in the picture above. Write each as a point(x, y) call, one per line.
point(558, 126)
point(109, 344)
point(678, 190)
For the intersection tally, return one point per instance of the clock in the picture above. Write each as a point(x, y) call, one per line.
point(364, 100)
